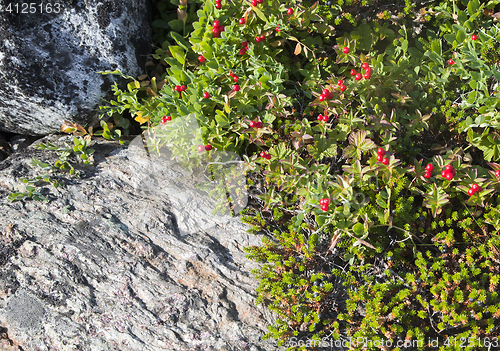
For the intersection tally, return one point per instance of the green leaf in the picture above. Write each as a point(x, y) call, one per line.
point(180, 40)
point(472, 97)
point(472, 7)
point(221, 118)
point(160, 24)
point(358, 229)
point(176, 25)
point(260, 14)
point(435, 199)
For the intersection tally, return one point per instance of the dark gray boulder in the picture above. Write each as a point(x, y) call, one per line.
point(128, 256)
point(48, 61)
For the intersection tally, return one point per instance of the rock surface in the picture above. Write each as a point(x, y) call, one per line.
point(123, 258)
point(49, 61)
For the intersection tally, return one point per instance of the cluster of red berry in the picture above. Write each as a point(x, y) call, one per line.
point(325, 203)
point(217, 29)
point(265, 155)
point(380, 156)
point(325, 95)
point(359, 76)
point(164, 119)
point(473, 189)
point(260, 38)
point(180, 89)
point(428, 170)
point(234, 76)
point(255, 2)
point(244, 49)
point(322, 118)
point(202, 148)
point(448, 172)
point(255, 124)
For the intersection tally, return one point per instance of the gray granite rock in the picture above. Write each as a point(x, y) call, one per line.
point(49, 61)
point(128, 256)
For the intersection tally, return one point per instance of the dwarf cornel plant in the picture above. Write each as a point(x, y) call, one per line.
point(370, 143)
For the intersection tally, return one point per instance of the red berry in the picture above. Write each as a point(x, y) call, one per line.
point(343, 87)
point(330, 96)
point(324, 208)
point(326, 201)
point(367, 75)
point(258, 124)
point(368, 70)
point(449, 176)
point(259, 1)
point(346, 50)
point(208, 147)
point(451, 62)
point(201, 58)
point(268, 156)
point(379, 158)
point(241, 21)
point(243, 51)
point(358, 76)
point(218, 6)
point(235, 78)
point(365, 65)
point(254, 2)
point(236, 87)
point(475, 187)
point(385, 161)
point(381, 151)
point(278, 29)
point(163, 120)
point(252, 125)
point(244, 44)
point(319, 118)
point(183, 88)
point(222, 28)
point(325, 118)
point(290, 11)
point(429, 167)
point(448, 168)
point(353, 72)
point(322, 97)
point(257, 39)
point(497, 173)
point(474, 37)
point(444, 173)
point(262, 37)
point(201, 148)
point(177, 88)
point(262, 154)
point(216, 23)
point(216, 32)
point(321, 201)
point(206, 95)
point(169, 118)
point(340, 82)
point(427, 174)
point(471, 192)
point(325, 92)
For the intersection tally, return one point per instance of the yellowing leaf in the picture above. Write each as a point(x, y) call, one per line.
point(298, 49)
point(140, 118)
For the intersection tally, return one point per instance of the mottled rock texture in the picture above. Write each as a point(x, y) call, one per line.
point(49, 61)
point(126, 257)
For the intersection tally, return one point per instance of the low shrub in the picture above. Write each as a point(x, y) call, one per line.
point(370, 156)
